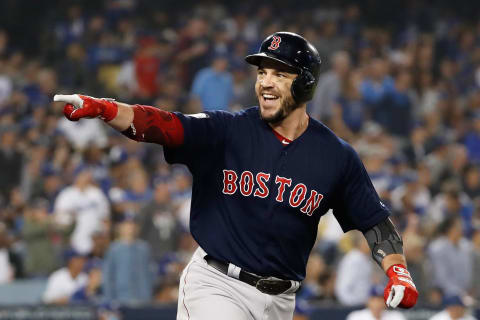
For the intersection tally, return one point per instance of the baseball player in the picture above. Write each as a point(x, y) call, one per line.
point(262, 178)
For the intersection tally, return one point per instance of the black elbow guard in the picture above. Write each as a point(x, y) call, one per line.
point(383, 240)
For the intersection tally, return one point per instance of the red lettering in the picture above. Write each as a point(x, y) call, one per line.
point(243, 183)
point(312, 203)
point(262, 190)
point(281, 188)
point(275, 43)
point(299, 193)
point(229, 181)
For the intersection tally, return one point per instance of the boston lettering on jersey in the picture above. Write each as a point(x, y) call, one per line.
point(248, 185)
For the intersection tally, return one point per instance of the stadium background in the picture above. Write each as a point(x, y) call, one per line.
point(400, 82)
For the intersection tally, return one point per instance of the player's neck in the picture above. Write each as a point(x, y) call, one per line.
point(294, 125)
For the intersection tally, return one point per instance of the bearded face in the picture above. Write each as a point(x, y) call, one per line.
point(274, 80)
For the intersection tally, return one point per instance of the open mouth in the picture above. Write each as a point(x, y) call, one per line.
point(269, 97)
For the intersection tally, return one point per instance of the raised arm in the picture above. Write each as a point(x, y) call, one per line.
point(140, 123)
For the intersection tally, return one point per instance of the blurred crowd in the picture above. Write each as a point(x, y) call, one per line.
point(105, 219)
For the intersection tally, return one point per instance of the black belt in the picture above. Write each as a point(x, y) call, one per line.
point(265, 285)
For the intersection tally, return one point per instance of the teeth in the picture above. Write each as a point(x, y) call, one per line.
point(269, 96)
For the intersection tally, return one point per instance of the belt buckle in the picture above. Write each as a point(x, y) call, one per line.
point(269, 286)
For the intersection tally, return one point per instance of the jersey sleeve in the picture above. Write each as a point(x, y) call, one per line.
point(204, 138)
point(357, 204)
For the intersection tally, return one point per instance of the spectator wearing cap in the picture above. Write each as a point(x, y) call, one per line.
point(127, 267)
point(455, 309)
point(376, 309)
point(91, 292)
point(64, 282)
point(213, 86)
point(37, 232)
point(451, 258)
point(84, 204)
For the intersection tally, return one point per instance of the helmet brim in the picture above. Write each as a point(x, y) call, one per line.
point(256, 60)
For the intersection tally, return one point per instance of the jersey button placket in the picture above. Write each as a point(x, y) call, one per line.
point(282, 160)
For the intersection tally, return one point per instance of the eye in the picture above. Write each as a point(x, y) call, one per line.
point(260, 72)
point(281, 75)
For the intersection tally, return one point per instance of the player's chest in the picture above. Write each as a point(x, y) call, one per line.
point(290, 178)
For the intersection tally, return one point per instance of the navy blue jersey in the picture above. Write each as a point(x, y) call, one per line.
point(257, 202)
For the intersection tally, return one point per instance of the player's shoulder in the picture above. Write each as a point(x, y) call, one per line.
point(247, 114)
point(325, 135)
point(250, 112)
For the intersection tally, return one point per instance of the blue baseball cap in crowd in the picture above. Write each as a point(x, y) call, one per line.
point(70, 254)
point(454, 300)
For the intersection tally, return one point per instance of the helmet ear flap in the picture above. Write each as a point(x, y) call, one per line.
point(303, 86)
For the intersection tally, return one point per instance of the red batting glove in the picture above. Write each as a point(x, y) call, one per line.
point(400, 290)
point(79, 106)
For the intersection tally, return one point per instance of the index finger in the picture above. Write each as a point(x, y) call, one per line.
point(69, 98)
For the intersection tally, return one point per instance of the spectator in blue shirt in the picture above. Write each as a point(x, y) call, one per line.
point(127, 268)
point(377, 84)
point(394, 109)
point(213, 86)
point(350, 104)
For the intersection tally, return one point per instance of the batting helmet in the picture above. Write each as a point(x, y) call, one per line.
point(295, 51)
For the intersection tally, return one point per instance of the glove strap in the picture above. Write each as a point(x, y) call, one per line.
point(107, 108)
point(110, 109)
point(398, 270)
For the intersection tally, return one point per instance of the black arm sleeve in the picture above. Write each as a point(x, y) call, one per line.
point(383, 240)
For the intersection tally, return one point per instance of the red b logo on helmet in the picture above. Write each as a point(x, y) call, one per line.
point(275, 43)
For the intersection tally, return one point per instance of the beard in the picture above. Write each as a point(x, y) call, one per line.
point(286, 107)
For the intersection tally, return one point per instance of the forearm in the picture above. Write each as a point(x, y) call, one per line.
point(124, 117)
point(387, 250)
point(154, 125)
point(393, 259)
point(386, 244)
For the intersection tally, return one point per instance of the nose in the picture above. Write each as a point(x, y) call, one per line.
point(266, 81)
